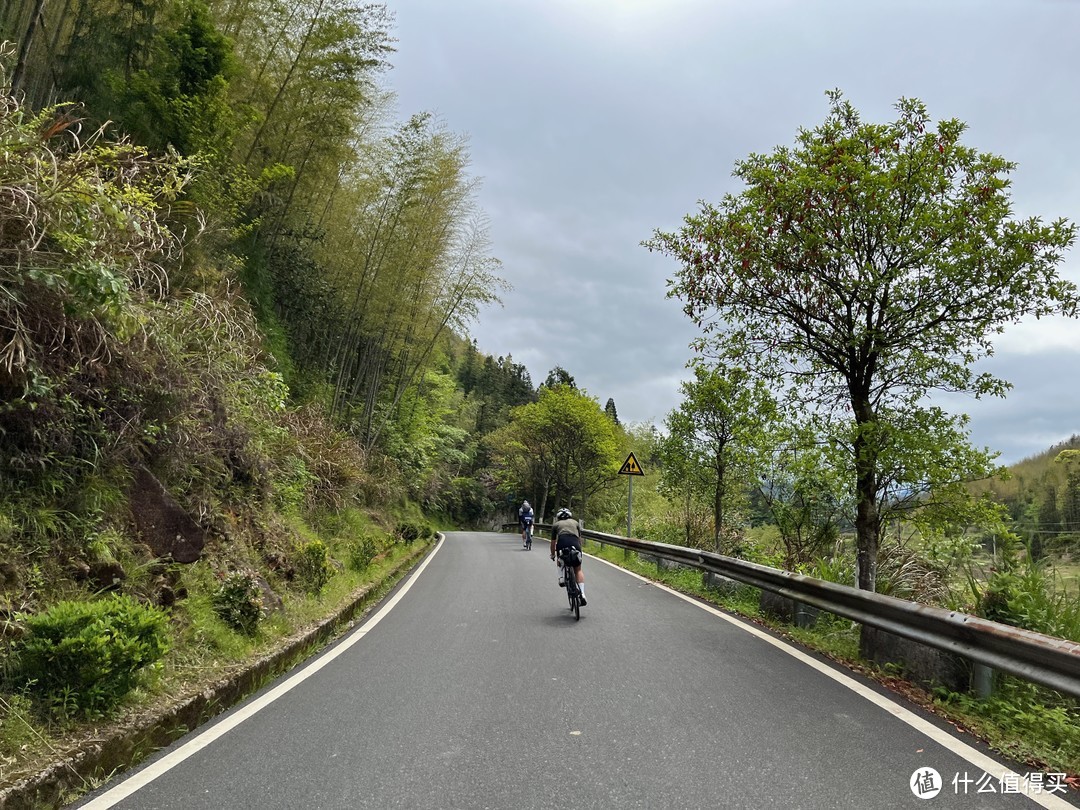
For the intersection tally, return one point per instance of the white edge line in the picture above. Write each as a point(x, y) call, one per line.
point(943, 738)
point(169, 761)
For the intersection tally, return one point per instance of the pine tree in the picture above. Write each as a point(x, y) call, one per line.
point(609, 409)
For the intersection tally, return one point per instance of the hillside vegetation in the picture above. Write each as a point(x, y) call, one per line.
point(234, 382)
point(1042, 494)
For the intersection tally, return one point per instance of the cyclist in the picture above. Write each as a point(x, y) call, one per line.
point(567, 534)
point(525, 519)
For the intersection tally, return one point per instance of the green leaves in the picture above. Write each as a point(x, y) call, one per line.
point(82, 239)
point(869, 247)
point(313, 566)
point(82, 658)
point(564, 440)
point(238, 601)
point(868, 266)
point(712, 438)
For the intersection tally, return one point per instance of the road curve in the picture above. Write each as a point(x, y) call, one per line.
point(479, 690)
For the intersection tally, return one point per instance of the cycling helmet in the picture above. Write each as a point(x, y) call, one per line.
point(524, 503)
point(563, 514)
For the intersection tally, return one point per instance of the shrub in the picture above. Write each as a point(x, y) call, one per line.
point(361, 552)
point(84, 657)
point(335, 460)
point(408, 531)
point(313, 568)
point(238, 601)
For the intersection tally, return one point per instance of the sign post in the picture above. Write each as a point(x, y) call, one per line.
point(630, 468)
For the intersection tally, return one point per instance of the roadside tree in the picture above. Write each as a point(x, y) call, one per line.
point(872, 264)
point(563, 446)
point(804, 493)
point(712, 439)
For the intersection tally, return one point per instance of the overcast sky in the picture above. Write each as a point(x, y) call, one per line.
point(593, 122)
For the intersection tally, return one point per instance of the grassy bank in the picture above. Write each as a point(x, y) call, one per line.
point(205, 651)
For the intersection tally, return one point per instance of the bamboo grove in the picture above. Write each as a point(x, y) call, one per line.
point(358, 236)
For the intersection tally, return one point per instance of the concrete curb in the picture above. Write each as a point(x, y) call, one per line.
point(124, 747)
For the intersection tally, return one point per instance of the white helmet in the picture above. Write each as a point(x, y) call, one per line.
point(563, 514)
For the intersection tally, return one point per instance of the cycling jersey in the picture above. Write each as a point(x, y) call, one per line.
point(567, 534)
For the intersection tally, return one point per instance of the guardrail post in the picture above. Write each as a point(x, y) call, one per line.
point(805, 615)
point(982, 681)
point(717, 582)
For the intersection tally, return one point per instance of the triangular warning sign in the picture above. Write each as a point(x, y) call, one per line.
point(630, 466)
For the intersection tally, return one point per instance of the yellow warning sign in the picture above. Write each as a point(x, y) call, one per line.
point(630, 466)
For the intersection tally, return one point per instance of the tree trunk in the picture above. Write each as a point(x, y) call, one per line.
point(24, 48)
point(718, 500)
point(543, 501)
point(867, 520)
point(584, 507)
point(40, 94)
point(301, 52)
point(686, 520)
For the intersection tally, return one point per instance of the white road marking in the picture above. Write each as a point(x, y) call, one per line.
point(203, 739)
point(943, 738)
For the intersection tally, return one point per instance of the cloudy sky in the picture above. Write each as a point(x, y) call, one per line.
point(594, 122)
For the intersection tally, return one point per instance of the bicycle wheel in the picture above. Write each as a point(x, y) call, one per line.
point(573, 594)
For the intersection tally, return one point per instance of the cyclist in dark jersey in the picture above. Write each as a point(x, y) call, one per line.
point(566, 533)
point(525, 518)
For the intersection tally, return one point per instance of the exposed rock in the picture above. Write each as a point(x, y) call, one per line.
point(279, 564)
point(162, 523)
point(10, 627)
point(9, 577)
point(106, 574)
point(718, 582)
point(155, 566)
point(166, 597)
point(271, 602)
point(787, 610)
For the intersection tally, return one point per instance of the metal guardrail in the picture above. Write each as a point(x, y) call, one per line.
point(1036, 657)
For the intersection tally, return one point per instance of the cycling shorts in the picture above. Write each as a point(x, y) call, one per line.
point(567, 541)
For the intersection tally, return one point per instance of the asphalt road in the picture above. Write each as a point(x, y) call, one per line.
point(479, 690)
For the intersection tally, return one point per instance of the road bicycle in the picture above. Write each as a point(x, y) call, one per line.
point(527, 542)
point(569, 557)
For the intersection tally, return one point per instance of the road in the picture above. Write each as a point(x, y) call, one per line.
point(475, 688)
